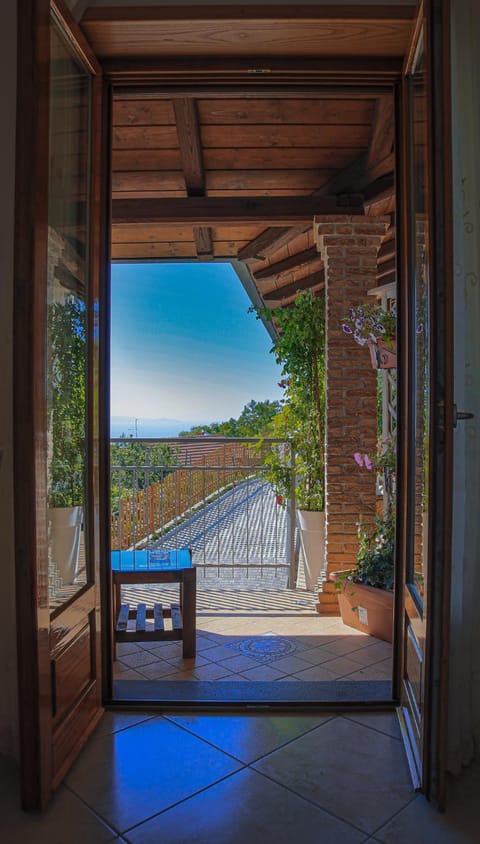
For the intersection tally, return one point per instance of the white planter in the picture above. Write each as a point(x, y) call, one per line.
point(65, 528)
point(312, 540)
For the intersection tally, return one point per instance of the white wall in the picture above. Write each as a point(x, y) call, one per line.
point(464, 704)
point(8, 693)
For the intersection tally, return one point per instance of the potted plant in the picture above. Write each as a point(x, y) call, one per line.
point(365, 593)
point(373, 326)
point(66, 430)
point(300, 349)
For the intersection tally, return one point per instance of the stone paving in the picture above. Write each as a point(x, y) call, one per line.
point(250, 625)
point(240, 539)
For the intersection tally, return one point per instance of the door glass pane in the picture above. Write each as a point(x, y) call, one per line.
point(420, 330)
point(67, 306)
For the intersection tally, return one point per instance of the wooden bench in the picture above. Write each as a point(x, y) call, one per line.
point(141, 567)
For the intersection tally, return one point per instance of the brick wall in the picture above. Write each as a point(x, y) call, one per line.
point(349, 247)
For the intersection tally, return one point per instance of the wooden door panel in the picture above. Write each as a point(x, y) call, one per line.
point(72, 734)
point(57, 246)
point(73, 667)
point(426, 496)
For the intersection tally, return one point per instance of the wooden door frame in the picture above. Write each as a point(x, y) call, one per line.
point(440, 526)
point(29, 318)
point(432, 777)
point(30, 260)
point(29, 356)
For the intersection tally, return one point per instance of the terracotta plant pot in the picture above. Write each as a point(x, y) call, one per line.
point(279, 499)
point(383, 355)
point(366, 608)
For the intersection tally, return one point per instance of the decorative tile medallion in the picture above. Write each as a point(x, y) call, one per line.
point(265, 648)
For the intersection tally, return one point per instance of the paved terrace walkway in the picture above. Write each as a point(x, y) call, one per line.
point(239, 540)
point(250, 625)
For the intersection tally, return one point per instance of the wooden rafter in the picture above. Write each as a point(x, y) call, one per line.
point(383, 131)
point(386, 268)
point(212, 210)
point(380, 188)
point(377, 163)
point(189, 141)
point(288, 264)
point(315, 280)
point(188, 133)
point(203, 241)
point(380, 196)
point(266, 240)
point(387, 251)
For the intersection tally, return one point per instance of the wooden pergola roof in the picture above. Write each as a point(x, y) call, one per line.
point(233, 127)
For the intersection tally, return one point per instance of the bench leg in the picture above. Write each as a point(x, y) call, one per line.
point(189, 613)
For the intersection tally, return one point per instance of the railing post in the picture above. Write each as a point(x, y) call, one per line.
point(291, 522)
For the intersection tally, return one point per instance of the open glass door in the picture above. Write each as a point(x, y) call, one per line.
point(59, 596)
point(427, 394)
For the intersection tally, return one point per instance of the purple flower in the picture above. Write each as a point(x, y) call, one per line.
point(379, 327)
point(420, 328)
point(358, 458)
point(368, 463)
point(358, 338)
point(346, 328)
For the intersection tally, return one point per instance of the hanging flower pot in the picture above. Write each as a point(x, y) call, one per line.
point(368, 325)
point(383, 355)
point(279, 499)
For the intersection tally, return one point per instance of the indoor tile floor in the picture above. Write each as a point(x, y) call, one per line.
point(229, 779)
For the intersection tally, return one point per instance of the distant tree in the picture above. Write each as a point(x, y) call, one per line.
point(131, 454)
point(257, 417)
point(254, 421)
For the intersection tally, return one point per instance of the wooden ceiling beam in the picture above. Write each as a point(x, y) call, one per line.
point(341, 181)
point(288, 264)
point(380, 188)
point(157, 80)
point(388, 278)
point(380, 196)
point(203, 241)
point(280, 211)
point(267, 240)
point(353, 178)
point(238, 13)
point(190, 144)
point(386, 268)
point(387, 250)
point(314, 280)
point(383, 131)
point(188, 132)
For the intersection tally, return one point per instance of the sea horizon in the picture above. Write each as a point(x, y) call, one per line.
point(145, 428)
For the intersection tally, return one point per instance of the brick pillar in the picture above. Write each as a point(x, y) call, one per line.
point(349, 248)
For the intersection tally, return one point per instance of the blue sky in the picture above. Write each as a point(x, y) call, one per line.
point(184, 345)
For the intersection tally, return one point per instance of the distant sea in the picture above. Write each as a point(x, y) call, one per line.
point(144, 428)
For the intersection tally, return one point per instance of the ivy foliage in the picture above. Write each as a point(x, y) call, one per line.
point(300, 350)
point(67, 363)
